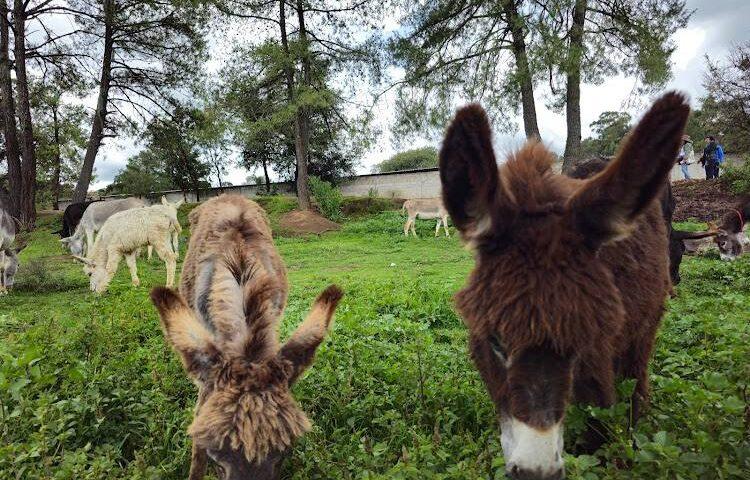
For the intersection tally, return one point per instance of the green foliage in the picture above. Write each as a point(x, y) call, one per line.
point(144, 173)
point(255, 92)
point(89, 389)
point(425, 157)
point(328, 198)
point(609, 130)
point(737, 178)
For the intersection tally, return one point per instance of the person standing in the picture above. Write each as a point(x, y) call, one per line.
point(685, 157)
point(720, 159)
point(710, 158)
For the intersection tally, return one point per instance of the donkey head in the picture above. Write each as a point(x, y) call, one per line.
point(540, 293)
point(9, 265)
point(175, 205)
point(730, 244)
point(98, 277)
point(74, 244)
point(246, 419)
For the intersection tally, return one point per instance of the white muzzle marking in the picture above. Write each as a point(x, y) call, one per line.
point(532, 450)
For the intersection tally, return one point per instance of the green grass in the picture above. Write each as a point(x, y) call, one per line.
point(89, 389)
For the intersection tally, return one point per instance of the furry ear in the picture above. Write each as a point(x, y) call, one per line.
point(164, 201)
point(301, 346)
point(606, 207)
point(188, 335)
point(468, 169)
point(179, 203)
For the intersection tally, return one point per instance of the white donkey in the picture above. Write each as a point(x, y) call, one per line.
point(8, 252)
point(425, 208)
point(92, 221)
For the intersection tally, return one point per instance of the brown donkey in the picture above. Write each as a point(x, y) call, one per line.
point(570, 278)
point(224, 326)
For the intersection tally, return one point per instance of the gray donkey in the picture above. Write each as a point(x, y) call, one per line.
point(425, 208)
point(8, 253)
point(92, 220)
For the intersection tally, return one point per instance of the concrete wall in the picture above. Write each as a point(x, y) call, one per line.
point(412, 184)
point(423, 183)
point(409, 184)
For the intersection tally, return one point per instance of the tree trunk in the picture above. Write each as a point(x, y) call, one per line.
point(12, 152)
point(58, 158)
point(100, 115)
point(300, 145)
point(523, 71)
point(265, 174)
point(303, 117)
point(28, 153)
point(218, 177)
point(573, 87)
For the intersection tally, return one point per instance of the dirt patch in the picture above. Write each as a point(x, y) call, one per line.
point(299, 222)
point(704, 200)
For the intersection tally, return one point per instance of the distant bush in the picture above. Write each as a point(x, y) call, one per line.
point(328, 197)
point(426, 157)
point(276, 205)
point(358, 206)
point(737, 179)
point(38, 276)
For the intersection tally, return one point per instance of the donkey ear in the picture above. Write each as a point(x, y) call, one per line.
point(468, 169)
point(606, 207)
point(300, 349)
point(188, 336)
point(164, 200)
point(179, 203)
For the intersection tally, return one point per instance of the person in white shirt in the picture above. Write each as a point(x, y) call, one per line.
point(686, 157)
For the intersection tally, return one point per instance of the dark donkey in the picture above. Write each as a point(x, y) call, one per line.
point(570, 278)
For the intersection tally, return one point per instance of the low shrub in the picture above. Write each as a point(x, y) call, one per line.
point(328, 198)
point(370, 205)
point(737, 178)
point(40, 276)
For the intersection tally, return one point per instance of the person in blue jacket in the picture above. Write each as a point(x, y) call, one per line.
point(720, 159)
point(710, 158)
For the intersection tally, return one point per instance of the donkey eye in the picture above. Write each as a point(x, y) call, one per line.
point(498, 349)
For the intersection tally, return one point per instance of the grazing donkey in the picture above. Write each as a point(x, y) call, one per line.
point(570, 279)
point(425, 208)
point(92, 220)
point(731, 238)
point(223, 323)
point(8, 252)
point(124, 234)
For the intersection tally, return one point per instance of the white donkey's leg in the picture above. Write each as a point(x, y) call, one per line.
point(445, 226)
point(150, 251)
point(130, 260)
point(165, 252)
point(89, 243)
point(406, 226)
point(413, 221)
point(437, 227)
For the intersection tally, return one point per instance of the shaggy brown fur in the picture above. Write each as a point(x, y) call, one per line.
point(571, 275)
point(224, 326)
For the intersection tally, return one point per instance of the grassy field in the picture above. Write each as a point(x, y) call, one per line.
point(89, 389)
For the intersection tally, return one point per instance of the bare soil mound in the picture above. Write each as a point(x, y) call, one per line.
point(299, 222)
point(704, 200)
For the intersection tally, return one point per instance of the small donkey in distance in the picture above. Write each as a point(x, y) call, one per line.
point(570, 279)
point(224, 326)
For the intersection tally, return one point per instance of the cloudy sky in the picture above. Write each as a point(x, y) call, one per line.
point(715, 27)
